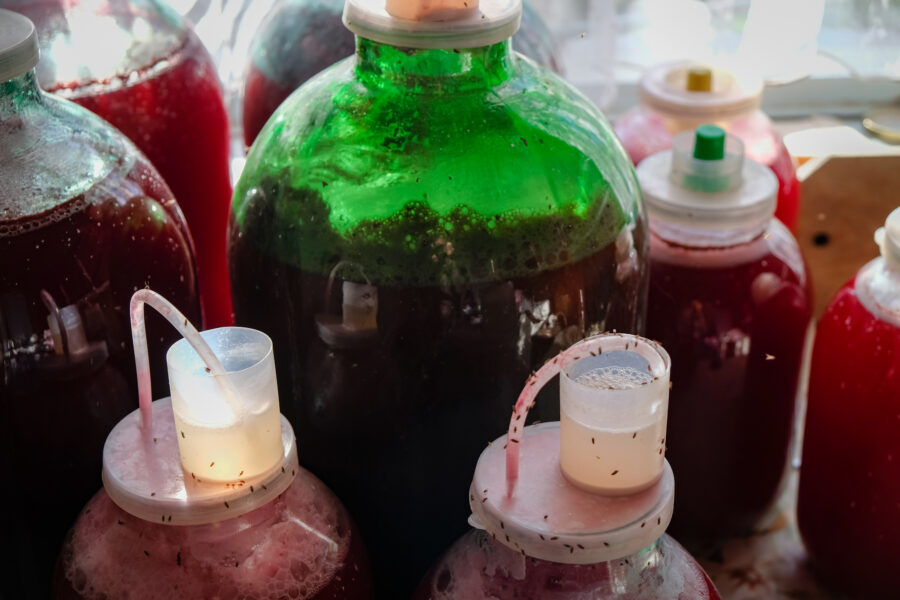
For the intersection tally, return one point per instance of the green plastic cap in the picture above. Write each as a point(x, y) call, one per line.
point(709, 143)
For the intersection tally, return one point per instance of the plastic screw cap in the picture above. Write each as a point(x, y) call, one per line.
point(18, 45)
point(709, 143)
point(888, 239)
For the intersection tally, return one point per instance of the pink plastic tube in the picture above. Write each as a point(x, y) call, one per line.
point(142, 358)
point(592, 346)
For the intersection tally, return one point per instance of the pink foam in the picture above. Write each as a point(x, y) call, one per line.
point(291, 547)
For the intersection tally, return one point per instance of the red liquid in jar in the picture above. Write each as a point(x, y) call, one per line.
point(644, 133)
point(479, 568)
point(297, 40)
point(177, 118)
point(849, 501)
point(734, 321)
point(164, 94)
point(302, 546)
point(93, 251)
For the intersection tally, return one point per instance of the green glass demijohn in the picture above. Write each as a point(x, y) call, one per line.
point(418, 227)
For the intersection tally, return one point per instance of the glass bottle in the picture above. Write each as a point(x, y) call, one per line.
point(138, 65)
point(299, 38)
point(252, 524)
point(677, 97)
point(429, 225)
point(850, 481)
point(552, 520)
point(730, 300)
point(84, 221)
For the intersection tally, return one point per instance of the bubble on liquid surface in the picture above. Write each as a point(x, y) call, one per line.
point(617, 377)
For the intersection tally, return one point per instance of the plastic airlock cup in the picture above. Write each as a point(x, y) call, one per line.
point(546, 513)
point(613, 408)
point(202, 494)
point(226, 422)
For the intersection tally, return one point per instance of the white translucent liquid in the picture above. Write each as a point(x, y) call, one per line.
point(231, 452)
point(609, 461)
point(619, 452)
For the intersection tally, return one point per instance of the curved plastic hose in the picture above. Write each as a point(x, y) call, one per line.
point(141, 356)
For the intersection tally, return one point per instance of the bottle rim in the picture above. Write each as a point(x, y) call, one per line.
point(492, 22)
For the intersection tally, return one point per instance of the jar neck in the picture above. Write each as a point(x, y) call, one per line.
point(18, 93)
point(702, 236)
point(433, 69)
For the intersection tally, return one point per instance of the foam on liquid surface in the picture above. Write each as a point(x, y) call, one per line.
point(614, 377)
point(291, 547)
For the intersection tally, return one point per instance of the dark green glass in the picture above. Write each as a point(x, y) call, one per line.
point(418, 230)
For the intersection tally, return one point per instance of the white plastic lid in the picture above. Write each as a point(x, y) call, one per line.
point(145, 478)
point(888, 239)
point(680, 192)
point(548, 518)
point(18, 45)
point(666, 88)
point(491, 22)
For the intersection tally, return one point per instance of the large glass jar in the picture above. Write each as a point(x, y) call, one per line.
point(730, 300)
point(302, 37)
point(138, 65)
point(84, 221)
point(850, 480)
point(680, 96)
point(556, 511)
point(418, 229)
point(302, 545)
point(252, 525)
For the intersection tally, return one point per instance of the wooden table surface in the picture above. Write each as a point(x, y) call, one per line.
point(842, 204)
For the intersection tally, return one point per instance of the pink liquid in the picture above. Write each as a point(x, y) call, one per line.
point(644, 132)
point(301, 546)
point(849, 503)
point(734, 321)
point(169, 104)
point(479, 568)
